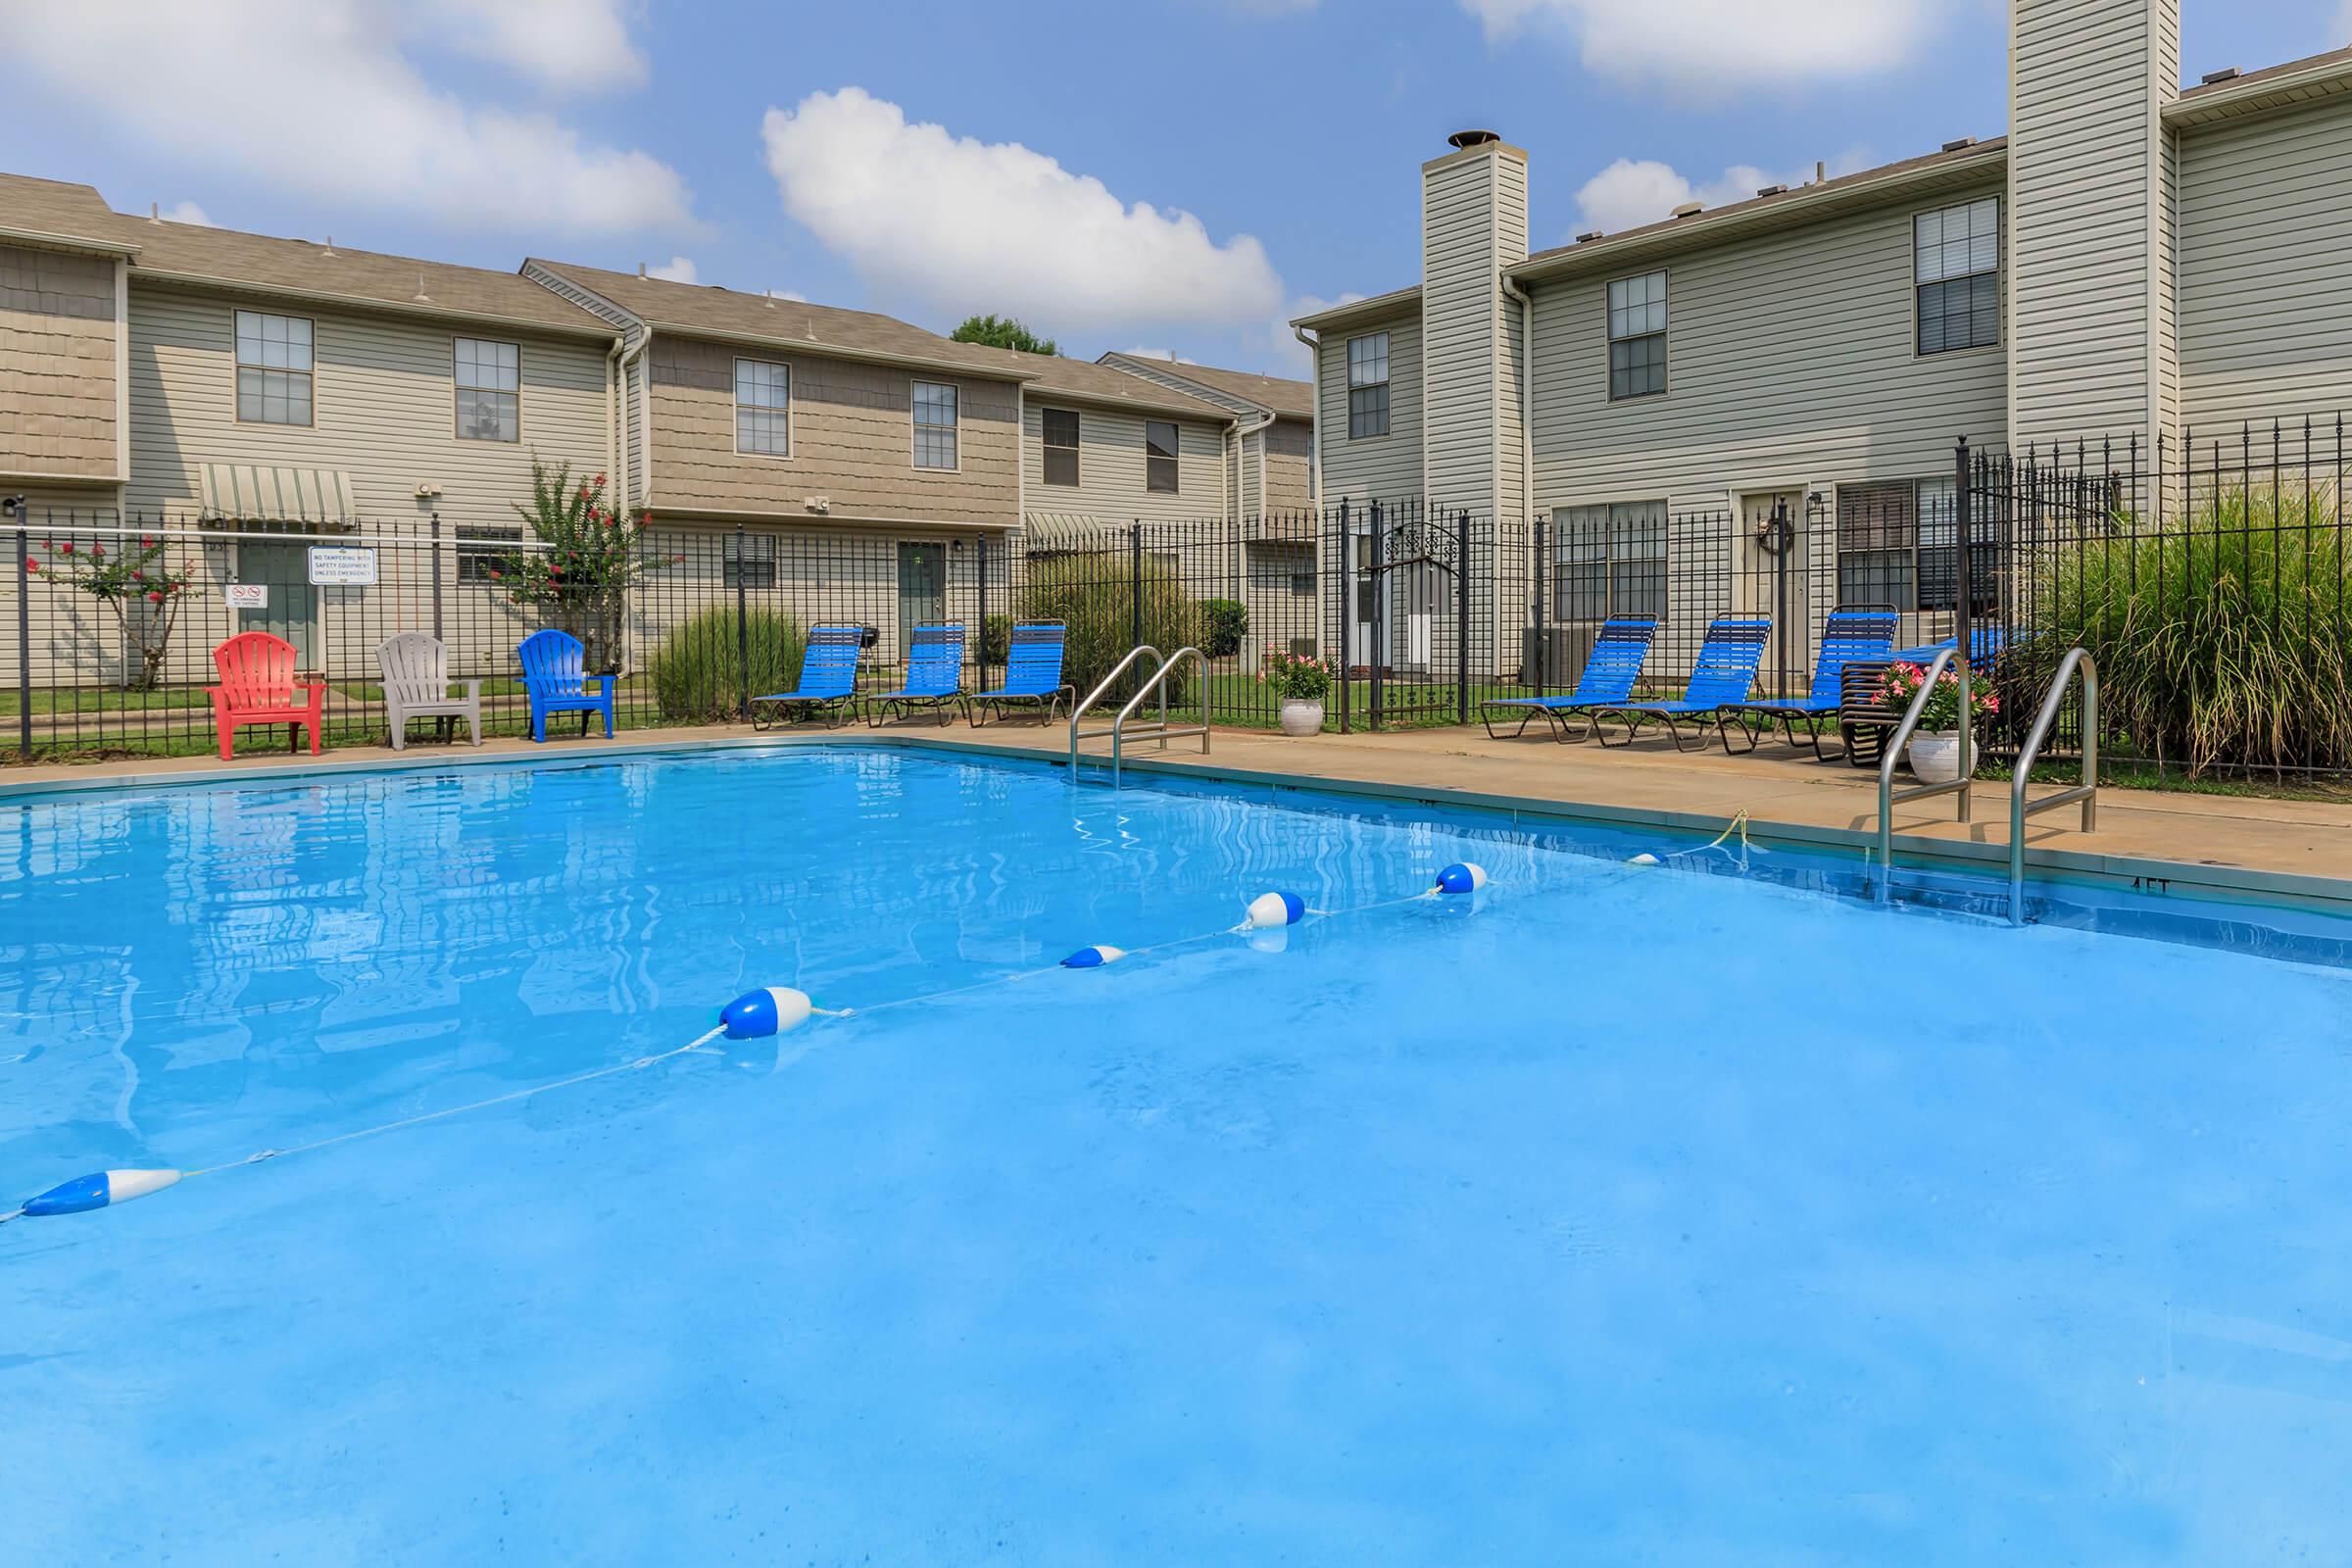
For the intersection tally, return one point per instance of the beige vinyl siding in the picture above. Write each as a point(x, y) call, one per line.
point(1290, 472)
point(2081, 217)
point(853, 441)
point(1790, 362)
point(384, 402)
point(1474, 207)
point(56, 364)
point(2265, 270)
point(1110, 465)
point(1385, 467)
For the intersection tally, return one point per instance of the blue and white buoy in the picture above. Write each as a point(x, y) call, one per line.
point(1463, 876)
point(1270, 910)
point(99, 1189)
point(1094, 958)
point(771, 1011)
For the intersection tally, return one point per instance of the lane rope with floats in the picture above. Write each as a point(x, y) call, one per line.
point(755, 1015)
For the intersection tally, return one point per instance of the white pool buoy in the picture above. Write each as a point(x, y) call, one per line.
point(1094, 958)
point(771, 1011)
point(1269, 910)
point(1645, 858)
point(99, 1189)
point(1463, 876)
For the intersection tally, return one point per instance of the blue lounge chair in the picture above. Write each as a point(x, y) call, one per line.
point(1032, 674)
point(828, 681)
point(1847, 637)
point(934, 676)
point(1607, 679)
point(1725, 673)
point(554, 677)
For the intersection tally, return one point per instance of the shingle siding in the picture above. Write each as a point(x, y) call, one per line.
point(56, 364)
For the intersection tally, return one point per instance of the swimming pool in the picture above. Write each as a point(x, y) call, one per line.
point(1617, 1217)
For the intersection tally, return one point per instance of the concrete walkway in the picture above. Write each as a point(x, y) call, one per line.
point(2234, 843)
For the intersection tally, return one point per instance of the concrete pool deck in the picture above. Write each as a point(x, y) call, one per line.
point(2247, 845)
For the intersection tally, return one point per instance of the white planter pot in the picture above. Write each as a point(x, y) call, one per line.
point(1303, 715)
point(1934, 759)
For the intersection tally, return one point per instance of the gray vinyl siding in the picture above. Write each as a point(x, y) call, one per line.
point(2082, 175)
point(384, 410)
point(2266, 268)
point(1473, 220)
point(1790, 362)
point(1248, 499)
point(1385, 467)
point(1110, 465)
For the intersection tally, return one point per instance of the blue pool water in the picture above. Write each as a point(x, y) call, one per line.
point(1624, 1217)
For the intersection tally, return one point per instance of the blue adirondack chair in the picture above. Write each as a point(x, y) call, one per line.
point(1725, 673)
point(554, 677)
point(828, 680)
point(1032, 674)
point(1607, 679)
point(1847, 637)
point(934, 676)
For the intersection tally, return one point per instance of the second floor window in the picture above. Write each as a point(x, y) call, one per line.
point(274, 368)
point(764, 409)
point(1159, 454)
point(1638, 336)
point(489, 390)
point(1956, 268)
point(1367, 386)
point(1609, 560)
point(934, 424)
point(1062, 445)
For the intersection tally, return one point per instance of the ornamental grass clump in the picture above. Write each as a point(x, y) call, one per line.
point(1093, 594)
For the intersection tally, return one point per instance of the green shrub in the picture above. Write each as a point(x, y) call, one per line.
point(995, 640)
point(1224, 623)
point(2222, 644)
point(697, 670)
point(1093, 594)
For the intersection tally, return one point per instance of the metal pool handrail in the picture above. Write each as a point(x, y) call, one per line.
point(1889, 800)
point(1159, 683)
point(2087, 792)
point(1092, 697)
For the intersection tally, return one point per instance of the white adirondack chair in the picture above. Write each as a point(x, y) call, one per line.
point(416, 684)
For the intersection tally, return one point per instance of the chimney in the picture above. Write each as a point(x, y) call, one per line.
point(640, 268)
point(1473, 226)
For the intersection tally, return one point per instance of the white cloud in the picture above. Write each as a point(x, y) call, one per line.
point(681, 270)
point(1720, 46)
point(190, 212)
point(1141, 353)
point(1287, 356)
point(1630, 192)
point(969, 225)
point(351, 119)
point(566, 44)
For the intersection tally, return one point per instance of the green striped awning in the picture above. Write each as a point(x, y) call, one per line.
point(240, 492)
point(1070, 531)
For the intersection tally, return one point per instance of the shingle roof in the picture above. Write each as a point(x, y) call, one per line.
point(2254, 92)
point(1087, 381)
point(1295, 399)
point(2332, 57)
point(725, 312)
point(295, 266)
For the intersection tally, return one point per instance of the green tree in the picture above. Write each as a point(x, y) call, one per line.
point(1003, 333)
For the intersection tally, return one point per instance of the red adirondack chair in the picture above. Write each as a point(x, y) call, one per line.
point(258, 686)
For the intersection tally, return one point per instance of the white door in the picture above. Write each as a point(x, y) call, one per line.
point(1768, 578)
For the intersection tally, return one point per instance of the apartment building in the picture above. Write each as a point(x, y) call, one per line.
point(2136, 262)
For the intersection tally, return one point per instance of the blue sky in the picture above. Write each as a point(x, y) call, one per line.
point(927, 159)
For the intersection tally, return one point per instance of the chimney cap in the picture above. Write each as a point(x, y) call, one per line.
point(1690, 209)
point(2226, 73)
point(1958, 142)
point(1471, 138)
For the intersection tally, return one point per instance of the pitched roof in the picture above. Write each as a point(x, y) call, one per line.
point(2282, 86)
point(296, 268)
point(709, 310)
point(1293, 399)
point(1389, 303)
point(1083, 380)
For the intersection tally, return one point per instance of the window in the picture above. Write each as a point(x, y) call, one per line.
point(1898, 544)
point(489, 378)
point(756, 568)
point(1638, 336)
point(934, 426)
point(1061, 445)
point(1609, 560)
point(274, 368)
point(762, 409)
point(1159, 454)
point(482, 551)
point(1367, 386)
point(1956, 267)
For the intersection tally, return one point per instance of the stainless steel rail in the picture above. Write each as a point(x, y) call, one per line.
point(1888, 798)
point(1161, 731)
point(1158, 661)
point(2087, 792)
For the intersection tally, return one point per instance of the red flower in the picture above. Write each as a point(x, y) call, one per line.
point(138, 577)
point(32, 565)
point(600, 481)
point(147, 542)
point(98, 552)
point(155, 598)
point(495, 574)
point(67, 548)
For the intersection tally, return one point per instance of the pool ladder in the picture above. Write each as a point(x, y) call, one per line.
point(2076, 660)
point(1161, 730)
